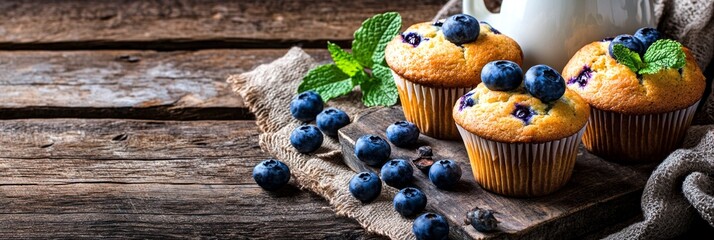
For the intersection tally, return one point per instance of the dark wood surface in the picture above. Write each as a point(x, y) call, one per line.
point(598, 194)
point(63, 64)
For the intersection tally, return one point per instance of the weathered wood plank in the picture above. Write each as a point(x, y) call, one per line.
point(187, 24)
point(98, 178)
point(127, 84)
point(598, 194)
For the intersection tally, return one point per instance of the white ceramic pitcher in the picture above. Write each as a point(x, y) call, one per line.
point(551, 31)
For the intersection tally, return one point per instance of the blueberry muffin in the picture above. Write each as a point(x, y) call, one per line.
point(522, 139)
point(435, 63)
point(637, 115)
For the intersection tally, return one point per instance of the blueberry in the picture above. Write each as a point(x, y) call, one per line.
point(430, 226)
point(482, 220)
point(493, 30)
point(647, 36)
point(629, 42)
point(365, 186)
point(332, 119)
point(523, 112)
point(466, 101)
point(583, 77)
point(403, 133)
point(502, 75)
point(445, 173)
point(461, 28)
point(409, 201)
point(271, 174)
point(397, 173)
point(544, 83)
point(306, 138)
point(372, 150)
point(411, 38)
point(306, 105)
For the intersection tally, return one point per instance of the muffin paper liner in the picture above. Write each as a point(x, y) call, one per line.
point(429, 108)
point(636, 138)
point(521, 169)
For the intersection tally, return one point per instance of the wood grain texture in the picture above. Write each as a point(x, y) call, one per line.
point(188, 24)
point(599, 193)
point(108, 178)
point(127, 84)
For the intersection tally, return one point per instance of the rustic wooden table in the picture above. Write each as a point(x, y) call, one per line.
point(119, 122)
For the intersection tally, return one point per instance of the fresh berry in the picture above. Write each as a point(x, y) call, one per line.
point(365, 186)
point(425, 159)
point(461, 28)
point(332, 119)
point(306, 138)
point(409, 201)
point(583, 77)
point(647, 36)
point(523, 112)
point(493, 30)
point(629, 42)
point(445, 174)
point(403, 134)
point(306, 105)
point(397, 173)
point(482, 220)
point(431, 226)
point(411, 38)
point(502, 75)
point(271, 174)
point(372, 150)
point(544, 83)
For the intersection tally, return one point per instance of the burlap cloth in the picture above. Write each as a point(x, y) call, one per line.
point(680, 190)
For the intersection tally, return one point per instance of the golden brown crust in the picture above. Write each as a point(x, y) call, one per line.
point(439, 63)
point(614, 87)
point(491, 116)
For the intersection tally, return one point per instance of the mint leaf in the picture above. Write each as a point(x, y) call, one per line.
point(662, 54)
point(372, 37)
point(627, 57)
point(379, 90)
point(344, 60)
point(328, 81)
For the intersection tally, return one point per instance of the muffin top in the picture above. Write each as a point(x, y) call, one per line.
point(422, 54)
point(609, 85)
point(518, 117)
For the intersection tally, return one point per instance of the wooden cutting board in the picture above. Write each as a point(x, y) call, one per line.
point(599, 194)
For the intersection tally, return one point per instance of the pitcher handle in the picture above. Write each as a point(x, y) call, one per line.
point(477, 8)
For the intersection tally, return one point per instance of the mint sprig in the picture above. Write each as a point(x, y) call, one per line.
point(364, 67)
point(662, 54)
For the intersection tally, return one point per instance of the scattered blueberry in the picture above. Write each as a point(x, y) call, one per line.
point(482, 220)
point(493, 30)
point(523, 112)
point(466, 101)
point(271, 174)
point(403, 134)
point(502, 75)
point(306, 138)
point(372, 150)
point(409, 201)
point(629, 42)
point(445, 173)
point(397, 173)
point(583, 77)
point(647, 36)
point(412, 38)
point(461, 28)
point(365, 186)
point(332, 119)
point(544, 83)
point(306, 105)
point(431, 226)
